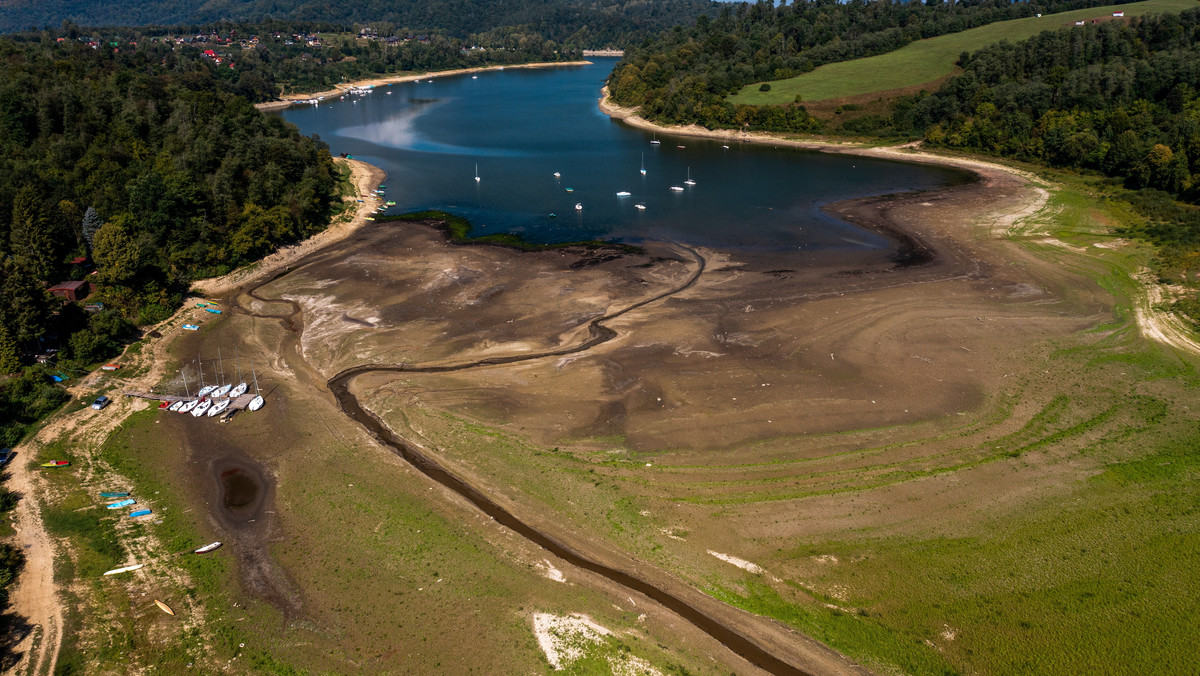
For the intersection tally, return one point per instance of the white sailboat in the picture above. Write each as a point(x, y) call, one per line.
point(188, 406)
point(624, 193)
point(640, 207)
point(205, 390)
point(201, 408)
point(578, 206)
point(676, 188)
point(258, 401)
point(689, 180)
point(176, 406)
point(238, 391)
point(218, 408)
point(221, 391)
point(477, 172)
point(655, 140)
point(643, 164)
point(557, 175)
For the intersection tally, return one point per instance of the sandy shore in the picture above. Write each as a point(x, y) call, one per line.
point(904, 153)
point(290, 99)
point(365, 178)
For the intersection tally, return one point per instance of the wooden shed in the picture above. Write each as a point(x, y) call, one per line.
point(72, 291)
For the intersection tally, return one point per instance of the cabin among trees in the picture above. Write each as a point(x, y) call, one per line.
point(71, 291)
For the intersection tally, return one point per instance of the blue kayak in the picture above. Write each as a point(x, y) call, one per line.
point(114, 495)
point(140, 512)
point(122, 503)
point(212, 310)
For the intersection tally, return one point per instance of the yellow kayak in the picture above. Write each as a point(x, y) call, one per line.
point(164, 607)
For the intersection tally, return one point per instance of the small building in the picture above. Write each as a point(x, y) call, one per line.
point(71, 291)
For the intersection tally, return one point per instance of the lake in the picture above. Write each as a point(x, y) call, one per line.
point(518, 127)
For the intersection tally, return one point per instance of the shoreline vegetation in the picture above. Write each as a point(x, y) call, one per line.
point(288, 100)
point(458, 229)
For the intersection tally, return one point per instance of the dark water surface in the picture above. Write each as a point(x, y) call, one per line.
point(521, 125)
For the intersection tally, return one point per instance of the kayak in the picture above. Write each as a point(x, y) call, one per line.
point(164, 405)
point(124, 494)
point(207, 548)
point(140, 512)
point(164, 607)
point(56, 463)
point(121, 503)
point(124, 569)
point(191, 327)
point(212, 310)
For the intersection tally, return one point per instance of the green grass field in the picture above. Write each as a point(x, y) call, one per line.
point(927, 61)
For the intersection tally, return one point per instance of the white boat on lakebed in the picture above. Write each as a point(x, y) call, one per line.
point(238, 391)
point(188, 406)
point(218, 408)
point(202, 407)
point(256, 403)
point(221, 391)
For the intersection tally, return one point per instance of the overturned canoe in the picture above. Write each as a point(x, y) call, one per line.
point(164, 607)
point(207, 548)
point(124, 569)
point(115, 495)
point(140, 512)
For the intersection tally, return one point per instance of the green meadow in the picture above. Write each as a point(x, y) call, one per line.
point(927, 61)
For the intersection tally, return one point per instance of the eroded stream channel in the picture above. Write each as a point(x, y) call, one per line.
point(340, 386)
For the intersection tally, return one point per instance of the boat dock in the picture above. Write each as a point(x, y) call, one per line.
point(236, 404)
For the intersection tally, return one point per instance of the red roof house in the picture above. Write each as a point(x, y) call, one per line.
point(71, 291)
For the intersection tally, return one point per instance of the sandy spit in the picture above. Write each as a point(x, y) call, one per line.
point(290, 99)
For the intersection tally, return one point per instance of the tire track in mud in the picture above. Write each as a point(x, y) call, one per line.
point(339, 386)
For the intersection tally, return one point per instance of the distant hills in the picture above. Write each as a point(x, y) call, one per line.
point(590, 22)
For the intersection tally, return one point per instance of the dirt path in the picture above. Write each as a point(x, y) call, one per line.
point(35, 597)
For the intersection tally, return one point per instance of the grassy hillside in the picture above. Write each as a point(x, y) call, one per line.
point(927, 61)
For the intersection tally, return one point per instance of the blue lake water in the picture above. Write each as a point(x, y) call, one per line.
point(520, 126)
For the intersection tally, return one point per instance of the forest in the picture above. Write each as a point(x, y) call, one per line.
point(1116, 98)
point(136, 177)
point(685, 76)
point(576, 23)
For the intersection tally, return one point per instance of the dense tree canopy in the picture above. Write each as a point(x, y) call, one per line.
point(149, 170)
point(685, 76)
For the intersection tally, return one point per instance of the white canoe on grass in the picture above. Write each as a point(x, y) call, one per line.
point(207, 548)
point(218, 408)
point(256, 403)
point(124, 569)
point(201, 407)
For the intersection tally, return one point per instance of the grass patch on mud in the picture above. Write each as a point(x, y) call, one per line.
point(458, 231)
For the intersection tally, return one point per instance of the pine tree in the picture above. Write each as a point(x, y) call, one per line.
point(9, 359)
point(91, 223)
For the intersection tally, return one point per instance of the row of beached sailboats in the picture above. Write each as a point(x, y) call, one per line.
point(213, 400)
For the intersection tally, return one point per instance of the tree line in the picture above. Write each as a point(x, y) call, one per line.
point(574, 23)
point(685, 76)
